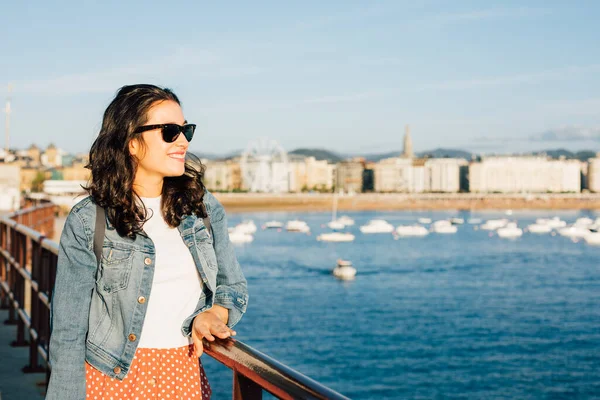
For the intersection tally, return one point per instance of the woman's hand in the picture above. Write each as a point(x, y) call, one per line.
point(209, 324)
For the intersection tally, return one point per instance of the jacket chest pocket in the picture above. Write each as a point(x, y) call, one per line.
point(115, 269)
point(204, 243)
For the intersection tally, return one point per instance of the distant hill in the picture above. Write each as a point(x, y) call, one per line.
point(446, 153)
point(334, 157)
point(319, 154)
point(580, 155)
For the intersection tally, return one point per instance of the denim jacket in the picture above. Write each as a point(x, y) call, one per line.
point(95, 313)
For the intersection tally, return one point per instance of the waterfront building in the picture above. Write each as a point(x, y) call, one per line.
point(529, 174)
point(391, 175)
point(319, 174)
point(349, 176)
point(593, 175)
point(52, 157)
point(443, 174)
point(223, 175)
point(10, 193)
point(34, 153)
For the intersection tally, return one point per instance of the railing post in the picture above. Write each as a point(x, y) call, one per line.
point(10, 279)
point(36, 258)
point(244, 388)
point(20, 250)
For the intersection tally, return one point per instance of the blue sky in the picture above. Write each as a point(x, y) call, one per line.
point(487, 76)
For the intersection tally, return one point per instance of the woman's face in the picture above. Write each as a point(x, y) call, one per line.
point(156, 158)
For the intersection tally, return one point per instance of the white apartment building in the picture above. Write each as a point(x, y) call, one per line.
point(594, 174)
point(444, 174)
point(417, 176)
point(524, 175)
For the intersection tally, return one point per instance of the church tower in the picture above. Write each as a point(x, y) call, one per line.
point(408, 147)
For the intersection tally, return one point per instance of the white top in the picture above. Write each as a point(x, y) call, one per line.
point(176, 287)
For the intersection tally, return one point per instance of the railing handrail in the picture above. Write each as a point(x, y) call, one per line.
point(253, 371)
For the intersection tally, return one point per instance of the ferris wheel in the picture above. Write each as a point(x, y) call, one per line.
point(265, 167)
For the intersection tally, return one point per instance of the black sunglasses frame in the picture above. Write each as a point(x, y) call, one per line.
point(167, 134)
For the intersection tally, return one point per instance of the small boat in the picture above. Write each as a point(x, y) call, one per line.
point(273, 225)
point(592, 238)
point(553, 223)
point(493, 224)
point(574, 231)
point(443, 226)
point(511, 230)
point(424, 220)
point(377, 226)
point(297, 226)
point(539, 228)
point(344, 270)
point(239, 237)
point(346, 220)
point(246, 227)
point(583, 222)
point(411, 230)
point(457, 221)
point(336, 237)
point(336, 225)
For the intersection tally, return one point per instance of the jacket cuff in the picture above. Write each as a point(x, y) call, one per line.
point(234, 301)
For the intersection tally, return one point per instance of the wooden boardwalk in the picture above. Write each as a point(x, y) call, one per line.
point(14, 384)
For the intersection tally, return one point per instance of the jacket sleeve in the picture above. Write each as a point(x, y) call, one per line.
point(232, 290)
point(69, 311)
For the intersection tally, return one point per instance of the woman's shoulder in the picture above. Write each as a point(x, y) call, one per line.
point(213, 205)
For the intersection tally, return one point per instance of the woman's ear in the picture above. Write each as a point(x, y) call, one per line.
point(135, 148)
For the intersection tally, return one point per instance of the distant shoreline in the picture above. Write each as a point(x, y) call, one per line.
point(247, 202)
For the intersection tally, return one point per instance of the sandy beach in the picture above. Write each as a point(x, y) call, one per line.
point(241, 202)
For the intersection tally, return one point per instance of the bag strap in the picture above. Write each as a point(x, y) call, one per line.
point(207, 220)
point(99, 232)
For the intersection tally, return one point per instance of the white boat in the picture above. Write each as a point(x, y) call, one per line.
point(457, 221)
point(584, 222)
point(511, 230)
point(346, 220)
point(246, 227)
point(592, 238)
point(553, 223)
point(336, 237)
point(574, 231)
point(424, 220)
point(443, 226)
point(539, 228)
point(273, 225)
point(377, 226)
point(411, 230)
point(238, 237)
point(493, 224)
point(337, 225)
point(297, 226)
point(344, 270)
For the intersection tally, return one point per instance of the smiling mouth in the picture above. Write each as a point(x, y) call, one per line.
point(177, 156)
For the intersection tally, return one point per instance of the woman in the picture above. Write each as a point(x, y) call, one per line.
point(131, 325)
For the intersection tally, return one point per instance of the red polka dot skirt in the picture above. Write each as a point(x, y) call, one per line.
point(154, 374)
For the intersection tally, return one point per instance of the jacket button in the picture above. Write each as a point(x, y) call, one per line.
point(117, 370)
point(147, 261)
point(132, 337)
point(141, 299)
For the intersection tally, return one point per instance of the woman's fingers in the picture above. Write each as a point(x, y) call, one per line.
point(198, 347)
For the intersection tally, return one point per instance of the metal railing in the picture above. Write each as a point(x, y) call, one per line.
point(27, 271)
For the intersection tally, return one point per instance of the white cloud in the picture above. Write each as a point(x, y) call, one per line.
point(517, 79)
point(193, 62)
point(568, 134)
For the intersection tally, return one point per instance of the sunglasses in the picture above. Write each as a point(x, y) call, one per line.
point(170, 132)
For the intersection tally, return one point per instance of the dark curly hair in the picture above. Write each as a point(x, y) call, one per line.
point(113, 168)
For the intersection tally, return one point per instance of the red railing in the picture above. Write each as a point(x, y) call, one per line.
point(27, 272)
